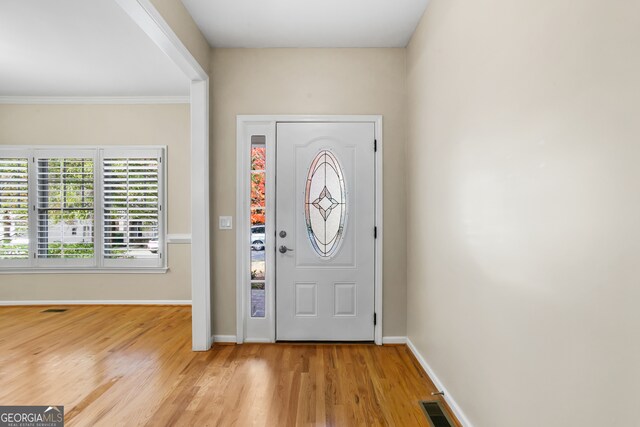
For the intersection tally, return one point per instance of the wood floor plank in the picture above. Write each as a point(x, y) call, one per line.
point(133, 366)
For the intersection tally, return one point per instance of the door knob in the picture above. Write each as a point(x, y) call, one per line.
point(283, 249)
point(283, 234)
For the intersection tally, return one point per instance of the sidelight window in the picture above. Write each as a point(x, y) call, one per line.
point(258, 221)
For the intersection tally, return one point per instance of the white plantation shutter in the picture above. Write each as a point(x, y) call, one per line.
point(14, 209)
point(132, 218)
point(65, 207)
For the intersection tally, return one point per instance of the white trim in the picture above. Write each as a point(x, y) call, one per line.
point(178, 239)
point(264, 328)
point(457, 410)
point(89, 100)
point(224, 338)
point(200, 249)
point(242, 234)
point(151, 22)
point(268, 125)
point(394, 340)
point(98, 302)
point(54, 148)
point(365, 118)
point(83, 270)
point(380, 231)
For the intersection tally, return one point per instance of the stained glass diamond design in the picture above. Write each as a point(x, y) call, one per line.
point(325, 203)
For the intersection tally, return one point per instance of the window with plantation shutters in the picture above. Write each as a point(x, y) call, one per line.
point(132, 208)
point(14, 209)
point(65, 208)
point(82, 209)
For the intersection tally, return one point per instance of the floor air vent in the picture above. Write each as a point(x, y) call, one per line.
point(435, 414)
point(55, 310)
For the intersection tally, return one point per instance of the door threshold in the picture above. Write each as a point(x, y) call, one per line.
point(320, 342)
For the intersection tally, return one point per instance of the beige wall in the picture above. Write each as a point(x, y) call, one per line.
point(523, 206)
point(180, 21)
point(109, 125)
point(307, 81)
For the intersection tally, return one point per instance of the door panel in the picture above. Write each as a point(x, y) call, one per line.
point(325, 207)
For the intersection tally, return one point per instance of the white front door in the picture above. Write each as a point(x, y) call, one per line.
point(325, 218)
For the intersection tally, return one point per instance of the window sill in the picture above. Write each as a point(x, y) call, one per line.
point(92, 270)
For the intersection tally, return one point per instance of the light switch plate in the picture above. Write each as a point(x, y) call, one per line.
point(225, 223)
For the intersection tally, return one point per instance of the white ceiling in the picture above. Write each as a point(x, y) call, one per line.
point(307, 23)
point(80, 48)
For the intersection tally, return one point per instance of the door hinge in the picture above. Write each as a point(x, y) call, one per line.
point(375, 145)
point(375, 319)
point(375, 232)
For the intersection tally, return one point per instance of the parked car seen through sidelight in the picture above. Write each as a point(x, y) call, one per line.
point(257, 237)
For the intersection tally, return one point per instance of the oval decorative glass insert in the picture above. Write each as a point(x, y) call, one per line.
point(325, 207)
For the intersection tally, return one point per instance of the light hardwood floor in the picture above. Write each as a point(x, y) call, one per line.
point(133, 365)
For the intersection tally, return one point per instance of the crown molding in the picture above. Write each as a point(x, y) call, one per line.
point(87, 100)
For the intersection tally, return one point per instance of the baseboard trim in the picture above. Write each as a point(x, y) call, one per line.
point(232, 338)
point(97, 302)
point(457, 410)
point(224, 338)
point(394, 340)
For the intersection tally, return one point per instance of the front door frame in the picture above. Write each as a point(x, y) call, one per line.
point(264, 330)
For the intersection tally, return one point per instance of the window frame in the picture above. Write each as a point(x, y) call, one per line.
point(96, 264)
